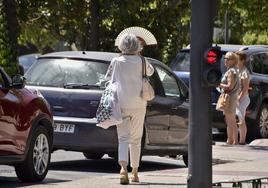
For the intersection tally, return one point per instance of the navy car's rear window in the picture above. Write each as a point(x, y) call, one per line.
point(59, 71)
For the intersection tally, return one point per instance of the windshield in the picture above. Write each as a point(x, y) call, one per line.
point(182, 62)
point(65, 72)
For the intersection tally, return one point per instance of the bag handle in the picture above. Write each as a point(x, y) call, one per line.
point(144, 75)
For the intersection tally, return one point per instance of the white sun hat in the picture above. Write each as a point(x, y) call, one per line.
point(141, 32)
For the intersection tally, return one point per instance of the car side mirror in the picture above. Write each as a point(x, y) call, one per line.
point(104, 83)
point(18, 81)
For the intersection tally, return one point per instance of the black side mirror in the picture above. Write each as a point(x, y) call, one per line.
point(18, 81)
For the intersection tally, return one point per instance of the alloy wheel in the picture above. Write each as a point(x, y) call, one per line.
point(41, 154)
point(264, 123)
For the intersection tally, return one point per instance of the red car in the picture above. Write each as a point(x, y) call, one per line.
point(26, 131)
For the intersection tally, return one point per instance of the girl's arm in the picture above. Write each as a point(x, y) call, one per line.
point(245, 83)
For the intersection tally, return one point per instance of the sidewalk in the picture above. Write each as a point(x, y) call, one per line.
point(246, 163)
point(230, 164)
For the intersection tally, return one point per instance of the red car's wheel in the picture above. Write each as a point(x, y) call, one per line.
point(35, 167)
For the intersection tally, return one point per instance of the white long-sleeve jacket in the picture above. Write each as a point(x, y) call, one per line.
point(126, 70)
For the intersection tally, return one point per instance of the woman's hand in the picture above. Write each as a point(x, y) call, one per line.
point(223, 86)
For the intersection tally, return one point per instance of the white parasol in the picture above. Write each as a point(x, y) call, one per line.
point(141, 32)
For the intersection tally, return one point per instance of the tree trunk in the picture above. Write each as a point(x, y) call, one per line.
point(9, 35)
point(95, 22)
point(12, 26)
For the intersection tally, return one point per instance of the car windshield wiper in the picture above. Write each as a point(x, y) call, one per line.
point(80, 86)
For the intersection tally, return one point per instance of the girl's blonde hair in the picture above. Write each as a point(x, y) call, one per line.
point(242, 57)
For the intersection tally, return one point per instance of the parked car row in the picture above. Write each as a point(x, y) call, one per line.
point(70, 85)
point(257, 64)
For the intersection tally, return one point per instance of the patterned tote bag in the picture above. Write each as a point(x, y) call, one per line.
point(109, 110)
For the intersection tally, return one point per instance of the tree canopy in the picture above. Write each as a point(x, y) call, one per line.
point(94, 24)
point(247, 20)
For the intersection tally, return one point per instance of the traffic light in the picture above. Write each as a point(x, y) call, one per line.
point(211, 68)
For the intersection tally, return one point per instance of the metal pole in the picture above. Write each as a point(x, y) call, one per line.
point(200, 149)
point(226, 27)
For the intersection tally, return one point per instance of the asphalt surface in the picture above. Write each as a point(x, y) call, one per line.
point(230, 164)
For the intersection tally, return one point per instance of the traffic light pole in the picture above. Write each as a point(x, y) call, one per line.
point(200, 142)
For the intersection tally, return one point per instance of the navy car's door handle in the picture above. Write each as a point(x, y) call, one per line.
point(58, 108)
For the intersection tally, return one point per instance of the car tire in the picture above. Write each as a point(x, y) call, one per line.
point(35, 166)
point(262, 122)
point(94, 156)
point(185, 159)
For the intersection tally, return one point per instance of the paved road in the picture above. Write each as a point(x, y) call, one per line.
point(68, 167)
point(71, 169)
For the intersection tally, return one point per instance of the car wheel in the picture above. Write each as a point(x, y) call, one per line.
point(90, 155)
point(35, 167)
point(185, 159)
point(263, 121)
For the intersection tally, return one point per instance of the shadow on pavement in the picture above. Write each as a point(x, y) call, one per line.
point(107, 166)
point(13, 182)
point(261, 148)
point(163, 184)
point(219, 137)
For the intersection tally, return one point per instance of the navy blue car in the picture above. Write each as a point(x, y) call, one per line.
point(72, 82)
point(257, 112)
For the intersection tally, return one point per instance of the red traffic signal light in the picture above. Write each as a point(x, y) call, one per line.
point(213, 55)
point(211, 69)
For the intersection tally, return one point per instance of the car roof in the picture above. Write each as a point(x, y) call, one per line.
point(237, 47)
point(102, 56)
point(230, 47)
point(249, 48)
point(92, 55)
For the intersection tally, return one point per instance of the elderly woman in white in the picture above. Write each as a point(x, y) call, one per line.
point(127, 72)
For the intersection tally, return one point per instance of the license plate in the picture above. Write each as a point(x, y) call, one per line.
point(64, 128)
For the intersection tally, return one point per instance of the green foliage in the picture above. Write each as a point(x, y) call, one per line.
point(44, 23)
point(38, 35)
point(247, 20)
point(253, 38)
point(94, 24)
point(168, 20)
point(8, 56)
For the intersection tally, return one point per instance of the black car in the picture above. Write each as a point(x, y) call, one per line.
point(72, 84)
point(257, 111)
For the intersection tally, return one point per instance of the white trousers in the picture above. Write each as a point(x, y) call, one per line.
point(130, 135)
point(242, 107)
